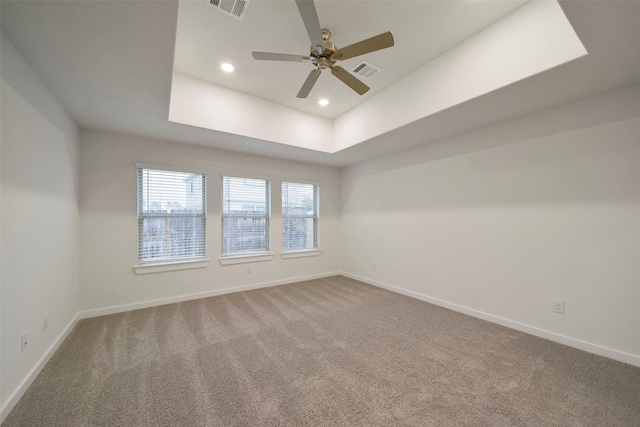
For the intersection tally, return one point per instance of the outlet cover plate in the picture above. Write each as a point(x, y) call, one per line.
point(558, 306)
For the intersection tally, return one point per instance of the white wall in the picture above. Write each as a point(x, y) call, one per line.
point(202, 104)
point(551, 213)
point(40, 224)
point(109, 223)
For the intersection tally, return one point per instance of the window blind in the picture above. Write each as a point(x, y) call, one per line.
point(300, 209)
point(245, 215)
point(171, 215)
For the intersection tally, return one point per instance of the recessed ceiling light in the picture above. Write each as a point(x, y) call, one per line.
point(226, 67)
point(324, 102)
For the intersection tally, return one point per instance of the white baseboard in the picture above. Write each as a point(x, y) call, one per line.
point(152, 303)
point(22, 388)
point(621, 356)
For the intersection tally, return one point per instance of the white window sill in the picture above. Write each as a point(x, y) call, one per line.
point(300, 254)
point(160, 267)
point(243, 259)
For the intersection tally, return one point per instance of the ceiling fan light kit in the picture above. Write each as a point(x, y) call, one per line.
point(324, 54)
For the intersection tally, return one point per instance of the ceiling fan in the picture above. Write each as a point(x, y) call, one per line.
point(324, 53)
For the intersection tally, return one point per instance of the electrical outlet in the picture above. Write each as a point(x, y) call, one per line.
point(45, 321)
point(24, 341)
point(248, 270)
point(558, 306)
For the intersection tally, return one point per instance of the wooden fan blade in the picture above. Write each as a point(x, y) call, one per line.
point(350, 80)
point(308, 84)
point(381, 41)
point(312, 23)
point(268, 56)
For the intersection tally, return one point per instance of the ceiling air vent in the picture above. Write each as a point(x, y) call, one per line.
point(235, 8)
point(365, 70)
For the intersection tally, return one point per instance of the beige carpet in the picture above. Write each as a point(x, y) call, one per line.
point(328, 352)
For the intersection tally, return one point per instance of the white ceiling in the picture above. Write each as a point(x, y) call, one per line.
point(422, 30)
point(110, 64)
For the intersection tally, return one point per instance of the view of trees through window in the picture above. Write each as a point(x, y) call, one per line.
point(299, 216)
point(171, 214)
point(245, 215)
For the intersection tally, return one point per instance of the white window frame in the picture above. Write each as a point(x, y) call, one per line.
point(145, 266)
point(246, 256)
point(297, 253)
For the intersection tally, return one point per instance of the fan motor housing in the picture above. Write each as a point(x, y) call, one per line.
point(325, 62)
point(329, 49)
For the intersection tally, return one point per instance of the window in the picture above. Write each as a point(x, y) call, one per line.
point(300, 210)
point(245, 215)
point(171, 215)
